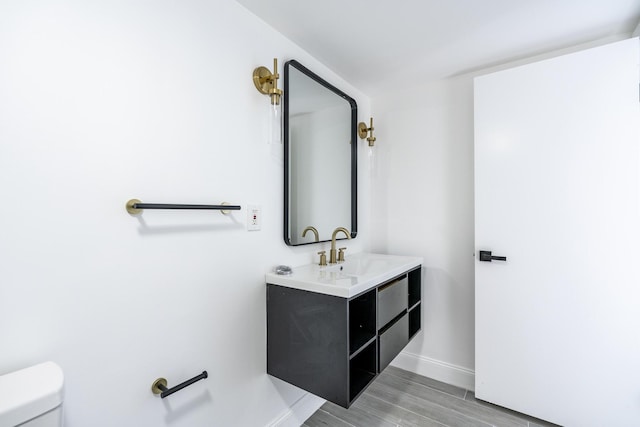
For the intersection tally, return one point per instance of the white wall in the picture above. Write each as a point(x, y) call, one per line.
point(104, 101)
point(423, 205)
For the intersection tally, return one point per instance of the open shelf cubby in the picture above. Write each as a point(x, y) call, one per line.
point(414, 320)
point(415, 286)
point(362, 320)
point(362, 370)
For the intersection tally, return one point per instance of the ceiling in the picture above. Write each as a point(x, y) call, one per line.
point(375, 44)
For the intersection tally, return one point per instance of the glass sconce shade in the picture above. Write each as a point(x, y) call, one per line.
point(275, 124)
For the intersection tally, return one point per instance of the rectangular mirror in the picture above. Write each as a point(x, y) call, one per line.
point(320, 154)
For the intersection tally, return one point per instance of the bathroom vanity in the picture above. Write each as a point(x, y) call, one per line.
point(332, 329)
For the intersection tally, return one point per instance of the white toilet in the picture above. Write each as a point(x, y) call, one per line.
point(32, 397)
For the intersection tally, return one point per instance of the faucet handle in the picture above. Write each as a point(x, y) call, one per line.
point(323, 258)
point(341, 254)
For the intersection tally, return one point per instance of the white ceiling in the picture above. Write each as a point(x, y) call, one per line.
point(375, 44)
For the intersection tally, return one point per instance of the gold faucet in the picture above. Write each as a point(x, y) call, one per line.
point(313, 229)
point(332, 252)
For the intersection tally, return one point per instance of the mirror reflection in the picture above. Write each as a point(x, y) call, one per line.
point(320, 157)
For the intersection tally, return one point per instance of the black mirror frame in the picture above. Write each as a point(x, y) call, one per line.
point(354, 148)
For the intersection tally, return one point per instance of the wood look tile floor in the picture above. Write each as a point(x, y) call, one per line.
point(399, 398)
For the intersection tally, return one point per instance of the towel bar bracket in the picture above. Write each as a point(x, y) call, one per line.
point(159, 386)
point(131, 207)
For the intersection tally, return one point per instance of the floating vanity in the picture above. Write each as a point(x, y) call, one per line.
point(332, 329)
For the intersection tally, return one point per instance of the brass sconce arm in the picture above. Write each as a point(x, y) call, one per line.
point(363, 130)
point(267, 82)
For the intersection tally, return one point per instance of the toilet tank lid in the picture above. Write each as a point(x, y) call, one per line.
point(30, 392)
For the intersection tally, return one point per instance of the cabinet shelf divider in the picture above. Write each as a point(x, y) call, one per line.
point(414, 305)
point(365, 345)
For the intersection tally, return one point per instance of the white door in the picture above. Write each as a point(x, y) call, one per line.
point(557, 192)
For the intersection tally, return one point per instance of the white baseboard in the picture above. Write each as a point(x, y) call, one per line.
point(302, 409)
point(436, 369)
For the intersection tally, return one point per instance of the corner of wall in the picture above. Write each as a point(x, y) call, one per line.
point(636, 32)
point(299, 412)
point(436, 369)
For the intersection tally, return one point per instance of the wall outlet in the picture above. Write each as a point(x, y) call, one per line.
point(254, 217)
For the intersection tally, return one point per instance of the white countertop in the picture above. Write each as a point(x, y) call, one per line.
point(359, 273)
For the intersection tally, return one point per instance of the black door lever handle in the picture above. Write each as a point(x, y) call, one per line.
point(486, 256)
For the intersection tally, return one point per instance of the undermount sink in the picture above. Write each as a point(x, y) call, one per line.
point(361, 266)
point(345, 268)
point(357, 274)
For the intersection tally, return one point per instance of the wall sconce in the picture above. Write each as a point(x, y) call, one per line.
point(363, 130)
point(267, 83)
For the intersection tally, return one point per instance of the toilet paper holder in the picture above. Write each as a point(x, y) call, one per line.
point(159, 386)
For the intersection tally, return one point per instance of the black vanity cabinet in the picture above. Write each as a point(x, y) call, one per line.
point(334, 347)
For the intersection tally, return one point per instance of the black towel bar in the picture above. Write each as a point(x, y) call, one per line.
point(135, 206)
